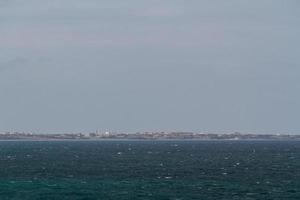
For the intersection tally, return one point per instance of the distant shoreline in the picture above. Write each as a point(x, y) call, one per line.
point(143, 136)
point(146, 140)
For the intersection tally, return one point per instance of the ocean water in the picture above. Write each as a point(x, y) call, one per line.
point(160, 170)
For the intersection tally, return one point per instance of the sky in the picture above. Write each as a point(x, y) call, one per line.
point(172, 65)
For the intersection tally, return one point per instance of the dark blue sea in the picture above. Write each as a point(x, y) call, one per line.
point(158, 170)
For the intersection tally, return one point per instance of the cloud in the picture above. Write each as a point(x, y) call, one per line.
point(163, 11)
point(13, 64)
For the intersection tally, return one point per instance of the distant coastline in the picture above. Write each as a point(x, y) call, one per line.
point(162, 136)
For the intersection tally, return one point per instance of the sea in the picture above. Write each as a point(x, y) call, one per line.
point(156, 170)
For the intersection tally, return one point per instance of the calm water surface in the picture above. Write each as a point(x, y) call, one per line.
point(150, 170)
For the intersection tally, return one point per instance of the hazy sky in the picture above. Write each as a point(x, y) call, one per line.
point(134, 65)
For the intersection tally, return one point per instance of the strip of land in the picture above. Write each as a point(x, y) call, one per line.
point(145, 136)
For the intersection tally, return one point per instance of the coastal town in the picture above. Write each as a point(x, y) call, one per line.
point(106, 135)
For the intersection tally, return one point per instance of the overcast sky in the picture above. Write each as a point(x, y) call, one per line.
point(134, 65)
